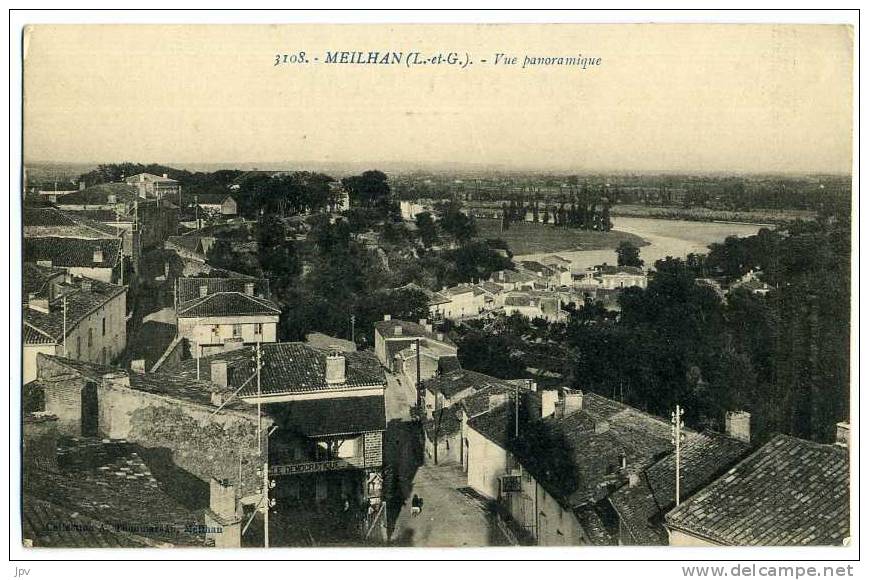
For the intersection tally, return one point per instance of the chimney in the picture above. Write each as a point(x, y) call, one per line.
point(116, 379)
point(138, 366)
point(397, 331)
point(248, 288)
point(203, 291)
point(501, 275)
point(38, 304)
point(572, 401)
point(141, 177)
point(113, 198)
point(86, 285)
point(387, 317)
point(98, 256)
point(166, 270)
point(44, 263)
point(218, 398)
point(497, 400)
point(843, 434)
point(223, 514)
point(737, 424)
point(165, 176)
point(423, 322)
point(222, 499)
point(336, 368)
point(81, 185)
point(220, 373)
point(633, 479)
point(548, 402)
point(40, 441)
point(440, 336)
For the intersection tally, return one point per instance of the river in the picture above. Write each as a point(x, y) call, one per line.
point(676, 238)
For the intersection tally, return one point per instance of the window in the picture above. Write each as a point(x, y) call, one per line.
point(258, 328)
point(104, 326)
point(236, 330)
point(77, 347)
point(90, 337)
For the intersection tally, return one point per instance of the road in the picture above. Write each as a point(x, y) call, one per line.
point(452, 514)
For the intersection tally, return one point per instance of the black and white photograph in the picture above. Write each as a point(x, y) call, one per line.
point(412, 285)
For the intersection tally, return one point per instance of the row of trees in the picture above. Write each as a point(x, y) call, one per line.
point(581, 215)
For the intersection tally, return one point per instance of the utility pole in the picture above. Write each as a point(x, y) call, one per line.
point(678, 437)
point(418, 375)
point(353, 328)
point(64, 326)
point(198, 356)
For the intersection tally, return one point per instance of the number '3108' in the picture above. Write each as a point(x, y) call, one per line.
point(296, 58)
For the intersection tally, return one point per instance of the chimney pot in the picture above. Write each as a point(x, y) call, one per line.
point(336, 368)
point(44, 263)
point(220, 373)
point(248, 288)
point(737, 424)
point(387, 317)
point(81, 185)
point(548, 401)
point(572, 401)
point(203, 291)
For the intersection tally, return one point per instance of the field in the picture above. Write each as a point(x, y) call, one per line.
point(530, 238)
point(758, 216)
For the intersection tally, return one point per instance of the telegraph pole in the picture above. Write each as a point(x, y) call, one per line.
point(418, 392)
point(353, 328)
point(64, 326)
point(678, 436)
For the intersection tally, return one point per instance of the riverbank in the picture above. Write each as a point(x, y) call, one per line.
point(537, 238)
point(761, 218)
point(676, 238)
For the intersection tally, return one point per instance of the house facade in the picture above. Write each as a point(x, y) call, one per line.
point(70, 316)
point(212, 312)
point(152, 186)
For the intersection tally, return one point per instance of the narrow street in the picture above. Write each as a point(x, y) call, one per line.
point(452, 514)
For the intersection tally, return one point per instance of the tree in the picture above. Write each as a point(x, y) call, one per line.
point(628, 255)
point(428, 231)
point(371, 189)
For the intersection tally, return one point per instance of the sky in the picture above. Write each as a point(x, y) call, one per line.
point(680, 98)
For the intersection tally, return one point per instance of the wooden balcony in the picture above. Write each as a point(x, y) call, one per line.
point(295, 468)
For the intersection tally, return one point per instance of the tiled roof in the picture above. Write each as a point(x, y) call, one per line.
point(36, 277)
point(50, 221)
point(448, 363)
point(227, 304)
point(188, 288)
point(577, 457)
point(537, 267)
point(112, 488)
point(331, 416)
point(444, 422)
point(99, 195)
point(789, 492)
point(79, 304)
point(512, 277)
point(150, 342)
point(386, 328)
point(102, 215)
point(613, 270)
point(288, 367)
point(642, 506)
point(40, 524)
point(72, 252)
point(34, 336)
point(456, 381)
point(212, 198)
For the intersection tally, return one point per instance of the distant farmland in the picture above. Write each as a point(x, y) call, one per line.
point(534, 238)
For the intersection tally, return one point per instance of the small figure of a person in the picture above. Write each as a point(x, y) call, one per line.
point(415, 506)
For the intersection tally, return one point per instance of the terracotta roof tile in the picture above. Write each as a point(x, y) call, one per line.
point(788, 492)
